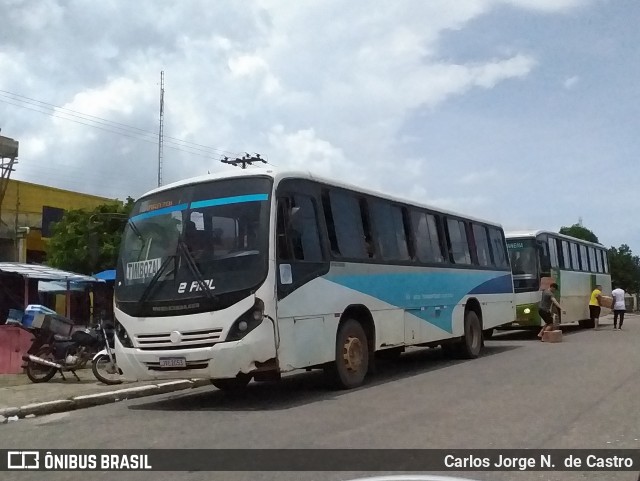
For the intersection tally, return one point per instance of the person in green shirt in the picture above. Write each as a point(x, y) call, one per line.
point(544, 308)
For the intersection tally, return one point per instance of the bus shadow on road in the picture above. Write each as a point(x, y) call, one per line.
point(532, 334)
point(307, 387)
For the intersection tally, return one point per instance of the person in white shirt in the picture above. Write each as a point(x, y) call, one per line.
point(618, 307)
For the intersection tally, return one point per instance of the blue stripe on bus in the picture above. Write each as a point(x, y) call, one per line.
point(203, 203)
point(421, 293)
point(164, 210)
point(498, 285)
point(229, 200)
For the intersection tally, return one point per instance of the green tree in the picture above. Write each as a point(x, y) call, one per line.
point(87, 241)
point(579, 232)
point(625, 268)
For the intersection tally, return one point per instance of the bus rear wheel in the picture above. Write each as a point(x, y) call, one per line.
point(470, 346)
point(234, 384)
point(352, 356)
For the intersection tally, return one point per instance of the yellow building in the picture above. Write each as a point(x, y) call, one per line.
point(26, 216)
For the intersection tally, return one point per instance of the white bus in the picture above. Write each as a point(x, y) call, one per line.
point(253, 273)
point(542, 257)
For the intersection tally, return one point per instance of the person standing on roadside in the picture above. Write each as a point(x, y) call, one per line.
point(594, 306)
point(547, 300)
point(619, 307)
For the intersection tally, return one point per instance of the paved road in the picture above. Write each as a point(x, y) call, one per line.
point(582, 393)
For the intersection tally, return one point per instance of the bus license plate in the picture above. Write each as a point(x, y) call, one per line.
point(173, 362)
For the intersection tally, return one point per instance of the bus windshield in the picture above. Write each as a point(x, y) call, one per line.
point(194, 248)
point(524, 264)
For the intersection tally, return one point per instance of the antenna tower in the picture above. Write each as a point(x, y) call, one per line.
point(161, 130)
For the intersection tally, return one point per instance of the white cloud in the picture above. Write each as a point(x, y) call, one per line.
point(303, 150)
point(475, 178)
point(342, 88)
point(571, 82)
point(548, 5)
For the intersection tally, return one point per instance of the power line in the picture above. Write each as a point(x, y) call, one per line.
point(100, 121)
point(193, 151)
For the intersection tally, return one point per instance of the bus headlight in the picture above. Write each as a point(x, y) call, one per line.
point(123, 335)
point(527, 310)
point(247, 322)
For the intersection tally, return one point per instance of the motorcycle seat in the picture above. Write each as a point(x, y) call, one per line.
point(59, 337)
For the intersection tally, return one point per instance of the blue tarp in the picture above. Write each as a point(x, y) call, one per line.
point(109, 275)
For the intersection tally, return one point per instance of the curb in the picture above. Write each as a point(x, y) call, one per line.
point(90, 400)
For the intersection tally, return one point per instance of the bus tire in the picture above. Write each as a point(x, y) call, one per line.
point(352, 356)
point(234, 384)
point(471, 344)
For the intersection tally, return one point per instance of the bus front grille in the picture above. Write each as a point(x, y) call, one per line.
point(186, 340)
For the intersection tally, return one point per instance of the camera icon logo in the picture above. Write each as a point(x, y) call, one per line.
point(23, 460)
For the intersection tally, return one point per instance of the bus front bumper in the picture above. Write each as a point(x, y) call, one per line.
point(221, 361)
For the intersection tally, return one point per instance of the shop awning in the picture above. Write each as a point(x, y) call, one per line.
point(37, 271)
point(109, 275)
point(53, 287)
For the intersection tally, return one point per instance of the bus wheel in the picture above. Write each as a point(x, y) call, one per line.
point(471, 344)
point(352, 356)
point(233, 384)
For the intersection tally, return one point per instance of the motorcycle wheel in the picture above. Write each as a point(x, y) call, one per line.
point(105, 371)
point(37, 372)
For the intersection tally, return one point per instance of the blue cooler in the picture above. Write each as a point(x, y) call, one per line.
point(34, 315)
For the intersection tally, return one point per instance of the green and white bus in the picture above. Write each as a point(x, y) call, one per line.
point(539, 258)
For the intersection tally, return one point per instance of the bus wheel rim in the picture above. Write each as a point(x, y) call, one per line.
point(353, 354)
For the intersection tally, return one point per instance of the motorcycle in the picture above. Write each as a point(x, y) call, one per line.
point(51, 353)
point(104, 365)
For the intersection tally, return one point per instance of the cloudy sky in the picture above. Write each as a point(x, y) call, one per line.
point(520, 111)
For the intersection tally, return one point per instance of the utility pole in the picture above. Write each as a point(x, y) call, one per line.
point(161, 131)
point(243, 161)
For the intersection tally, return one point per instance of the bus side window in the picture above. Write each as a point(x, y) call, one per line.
point(498, 248)
point(553, 252)
point(458, 244)
point(391, 239)
point(566, 255)
point(482, 244)
point(428, 246)
point(331, 227)
point(366, 227)
point(346, 222)
point(545, 262)
point(592, 259)
point(298, 234)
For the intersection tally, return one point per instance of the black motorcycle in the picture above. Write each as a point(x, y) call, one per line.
point(51, 353)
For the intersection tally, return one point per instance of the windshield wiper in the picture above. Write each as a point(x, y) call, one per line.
point(154, 279)
point(193, 267)
point(135, 229)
